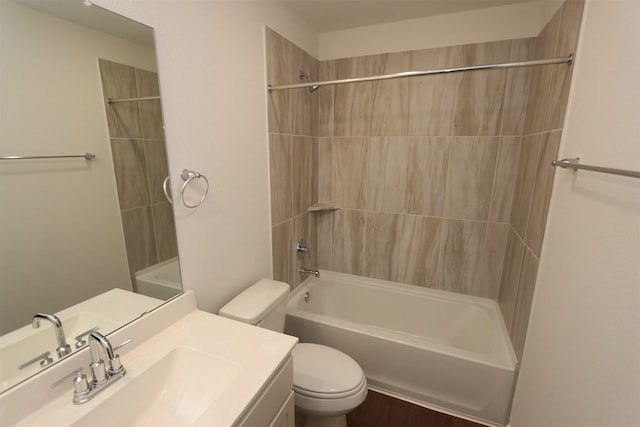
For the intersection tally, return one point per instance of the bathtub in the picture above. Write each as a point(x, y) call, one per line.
point(444, 351)
point(161, 280)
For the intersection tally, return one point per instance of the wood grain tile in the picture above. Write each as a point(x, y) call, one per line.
point(480, 94)
point(504, 181)
point(118, 81)
point(130, 166)
point(470, 177)
point(352, 106)
point(420, 249)
point(387, 174)
point(510, 275)
point(517, 89)
point(164, 230)
point(325, 95)
point(139, 238)
point(427, 175)
point(349, 172)
point(541, 78)
point(432, 98)
point(348, 231)
point(542, 191)
point(527, 167)
point(571, 17)
point(150, 111)
point(157, 168)
point(524, 300)
point(280, 178)
point(302, 173)
point(281, 242)
point(390, 98)
point(383, 240)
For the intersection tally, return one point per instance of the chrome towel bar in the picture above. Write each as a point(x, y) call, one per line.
point(575, 165)
point(86, 156)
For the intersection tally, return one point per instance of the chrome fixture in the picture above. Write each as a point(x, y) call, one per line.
point(80, 341)
point(63, 349)
point(304, 76)
point(44, 359)
point(188, 176)
point(301, 248)
point(144, 98)
point(575, 165)
point(314, 85)
point(306, 271)
point(86, 156)
point(307, 296)
point(104, 373)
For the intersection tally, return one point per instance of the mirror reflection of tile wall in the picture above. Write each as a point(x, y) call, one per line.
point(140, 162)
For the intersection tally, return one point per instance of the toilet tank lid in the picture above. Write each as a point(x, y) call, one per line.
point(255, 302)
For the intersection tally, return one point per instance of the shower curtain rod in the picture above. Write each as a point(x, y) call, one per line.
point(515, 64)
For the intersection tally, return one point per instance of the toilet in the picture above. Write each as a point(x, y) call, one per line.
point(326, 382)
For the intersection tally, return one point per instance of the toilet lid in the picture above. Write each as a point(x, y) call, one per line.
point(322, 370)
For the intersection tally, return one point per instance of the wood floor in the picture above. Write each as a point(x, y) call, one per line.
point(380, 410)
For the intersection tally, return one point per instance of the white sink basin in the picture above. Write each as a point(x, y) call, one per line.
point(184, 368)
point(174, 391)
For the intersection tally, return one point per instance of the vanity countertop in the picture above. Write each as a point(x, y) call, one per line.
point(246, 358)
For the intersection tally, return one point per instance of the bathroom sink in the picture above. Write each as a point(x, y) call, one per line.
point(184, 368)
point(174, 391)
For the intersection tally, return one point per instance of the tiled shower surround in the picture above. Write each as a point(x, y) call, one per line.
point(140, 163)
point(440, 181)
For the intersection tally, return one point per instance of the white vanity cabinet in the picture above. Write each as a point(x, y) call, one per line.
point(274, 405)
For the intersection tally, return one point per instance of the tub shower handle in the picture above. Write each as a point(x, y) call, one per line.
point(301, 248)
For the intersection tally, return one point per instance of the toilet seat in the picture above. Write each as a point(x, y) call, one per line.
point(322, 372)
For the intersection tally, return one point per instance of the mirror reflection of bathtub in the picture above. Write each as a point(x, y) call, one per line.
point(161, 280)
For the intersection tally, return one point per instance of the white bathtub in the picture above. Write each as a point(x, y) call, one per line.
point(161, 280)
point(445, 351)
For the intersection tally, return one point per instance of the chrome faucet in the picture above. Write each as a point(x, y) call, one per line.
point(306, 271)
point(63, 349)
point(105, 369)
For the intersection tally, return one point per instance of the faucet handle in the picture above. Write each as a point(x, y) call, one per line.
point(116, 365)
point(122, 344)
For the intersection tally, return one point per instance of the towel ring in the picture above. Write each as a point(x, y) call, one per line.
point(165, 189)
point(188, 176)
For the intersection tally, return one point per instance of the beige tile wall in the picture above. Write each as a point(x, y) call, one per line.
point(441, 181)
point(140, 162)
point(422, 168)
point(546, 105)
point(293, 154)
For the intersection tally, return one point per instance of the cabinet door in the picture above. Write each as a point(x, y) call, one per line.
point(286, 417)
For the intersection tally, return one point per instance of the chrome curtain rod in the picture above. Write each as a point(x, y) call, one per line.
point(144, 98)
point(559, 60)
point(575, 165)
point(86, 156)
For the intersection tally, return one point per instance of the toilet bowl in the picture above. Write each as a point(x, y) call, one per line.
point(327, 383)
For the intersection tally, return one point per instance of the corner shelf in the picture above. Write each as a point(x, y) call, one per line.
point(320, 207)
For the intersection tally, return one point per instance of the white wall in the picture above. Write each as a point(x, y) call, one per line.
point(61, 235)
point(581, 364)
point(211, 63)
point(520, 20)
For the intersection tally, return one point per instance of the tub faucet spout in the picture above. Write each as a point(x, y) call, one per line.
point(305, 272)
point(63, 349)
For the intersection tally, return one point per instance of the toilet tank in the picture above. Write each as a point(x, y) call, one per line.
point(263, 304)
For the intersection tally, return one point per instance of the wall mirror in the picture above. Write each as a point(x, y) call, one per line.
point(88, 240)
